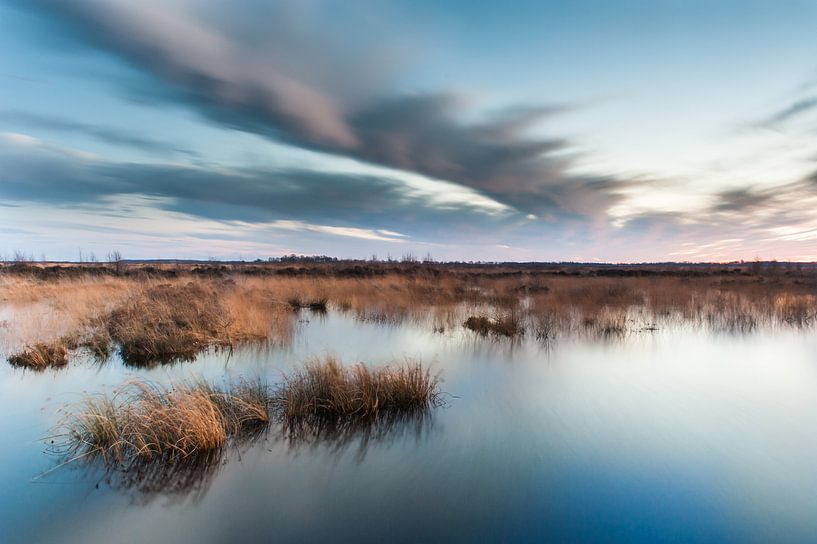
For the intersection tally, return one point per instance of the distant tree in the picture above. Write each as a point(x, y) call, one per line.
point(115, 258)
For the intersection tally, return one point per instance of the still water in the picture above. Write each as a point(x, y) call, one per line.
point(671, 435)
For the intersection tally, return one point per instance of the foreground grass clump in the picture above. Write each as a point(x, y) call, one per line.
point(145, 422)
point(41, 355)
point(325, 389)
point(506, 325)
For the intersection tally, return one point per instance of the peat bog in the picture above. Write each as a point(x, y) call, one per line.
point(179, 381)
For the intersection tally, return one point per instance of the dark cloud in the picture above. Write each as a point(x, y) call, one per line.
point(764, 207)
point(285, 73)
point(105, 134)
point(36, 173)
point(741, 200)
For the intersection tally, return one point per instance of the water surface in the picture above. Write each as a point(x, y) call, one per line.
point(669, 435)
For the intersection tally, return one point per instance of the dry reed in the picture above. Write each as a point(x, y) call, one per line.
point(41, 356)
point(153, 319)
point(326, 389)
point(143, 422)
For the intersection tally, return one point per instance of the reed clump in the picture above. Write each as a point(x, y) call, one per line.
point(144, 427)
point(41, 356)
point(325, 389)
point(144, 422)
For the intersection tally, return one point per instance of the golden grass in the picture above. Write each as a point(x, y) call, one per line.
point(144, 424)
point(326, 389)
point(148, 320)
point(145, 421)
point(169, 322)
point(175, 321)
point(41, 356)
point(163, 319)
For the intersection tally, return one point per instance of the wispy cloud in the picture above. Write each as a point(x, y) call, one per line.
point(40, 173)
point(793, 110)
point(349, 232)
point(272, 76)
point(106, 134)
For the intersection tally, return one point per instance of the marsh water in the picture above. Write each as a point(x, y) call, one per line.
point(678, 434)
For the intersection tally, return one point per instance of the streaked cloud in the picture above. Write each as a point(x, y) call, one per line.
point(105, 134)
point(793, 110)
point(259, 75)
point(310, 126)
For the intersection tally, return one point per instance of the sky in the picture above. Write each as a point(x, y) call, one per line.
point(615, 131)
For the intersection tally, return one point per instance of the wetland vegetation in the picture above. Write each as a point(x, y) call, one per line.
point(171, 376)
point(152, 315)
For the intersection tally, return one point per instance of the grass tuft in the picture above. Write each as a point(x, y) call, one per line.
point(41, 356)
point(144, 422)
point(327, 389)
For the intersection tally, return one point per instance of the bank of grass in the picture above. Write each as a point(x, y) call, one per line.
point(156, 322)
point(176, 321)
point(152, 319)
point(169, 322)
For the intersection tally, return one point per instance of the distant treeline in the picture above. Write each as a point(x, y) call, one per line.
point(325, 266)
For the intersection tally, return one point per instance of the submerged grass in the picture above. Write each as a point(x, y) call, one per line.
point(507, 325)
point(319, 304)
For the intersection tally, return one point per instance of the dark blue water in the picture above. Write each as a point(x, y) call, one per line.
point(670, 436)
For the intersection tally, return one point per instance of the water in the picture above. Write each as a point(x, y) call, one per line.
point(672, 435)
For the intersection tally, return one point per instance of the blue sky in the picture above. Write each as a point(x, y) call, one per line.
point(614, 131)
